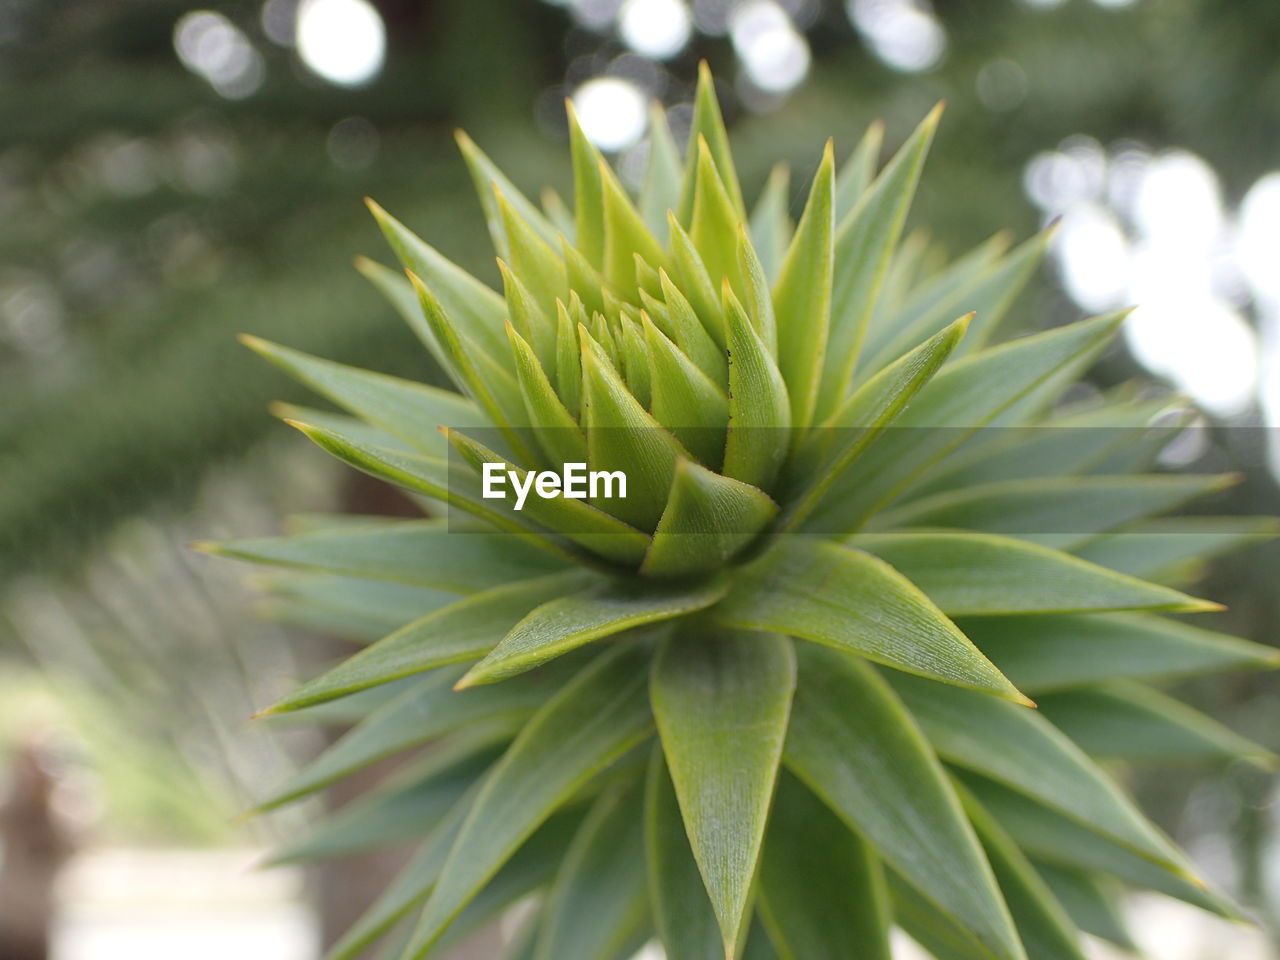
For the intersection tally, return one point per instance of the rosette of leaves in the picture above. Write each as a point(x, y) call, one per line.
point(776, 700)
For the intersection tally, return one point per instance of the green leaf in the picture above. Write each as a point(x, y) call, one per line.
point(345, 606)
point(418, 552)
point(821, 887)
point(1061, 511)
point(529, 320)
point(968, 574)
point(622, 436)
point(689, 332)
point(429, 709)
point(625, 235)
point(1058, 446)
point(1048, 836)
point(715, 220)
point(816, 590)
point(721, 701)
point(457, 633)
point(533, 260)
point(407, 410)
point(770, 221)
point(661, 189)
point(802, 297)
point(575, 519)
point(492, 387)
point(1025, 752)
point(695, 283)
point(595, 719)
point(1055, 651)
point(568, 355)
point(863, 246)
point(856, 173)
point(489, 181)
point(411, 885)
point(831, 450)
point(757, 298)
point(568, 622)
point(760, 410)
point(682, 910)
point(556, 210)
point(855, 746)
point(1092, 903)
point(599, 903)
point(708, 124)
point(557, 430)
point(1157, 548)
point(928, 295)
point(1127, 720)
point(684, 399)
point(962, 398)
point(1044, 927)
point(406, 807)
point(709, 519)
point(475, 307)
point(588, 194)
point(449, 480)
point(989, 294)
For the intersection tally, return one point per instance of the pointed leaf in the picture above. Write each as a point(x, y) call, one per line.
point(576, 520)
point(760, 410)
point(864, 244)
point(488, 179)
point(684, 399)
point(689, 332)
point(855, 746)
point(625, 235)
point(708, 124)
point(694, 281)
point(715, 219)
point(821, 591)
point(962, 398)
point(462, 631)
point(568, 622)
point(821, 887)
point(599, 902)
point(1056, 651)
point(721, 701)
point(1025, 752)
point(771, 223)
point(594, 720)
point(1061, 512)
point(1093, 904)
point(558, 432)
point(682, 910)
point(830, 451)
point(1127, 720)
point(969, 574)
point(622, 436)
point(429, 709)
point(661, 190)
point(407, 410)
point(802, 298)
point(1045, 835)
point(856, 173)
point(708, 520)
point(588, 195)
point(420, 552)
point(1158, 547)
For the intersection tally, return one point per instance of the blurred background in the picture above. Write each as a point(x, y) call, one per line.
point(172, 173)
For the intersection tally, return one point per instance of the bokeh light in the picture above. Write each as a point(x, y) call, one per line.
point(612, 112)
point(343, 41)
point(1151, 230)
point(211, 46)
point(905, 34)
point(655, 28)
point(774, 54)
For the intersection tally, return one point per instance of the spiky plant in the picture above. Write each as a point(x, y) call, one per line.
point(775, 700)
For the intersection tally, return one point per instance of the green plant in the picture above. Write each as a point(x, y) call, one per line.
point(774, 700)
